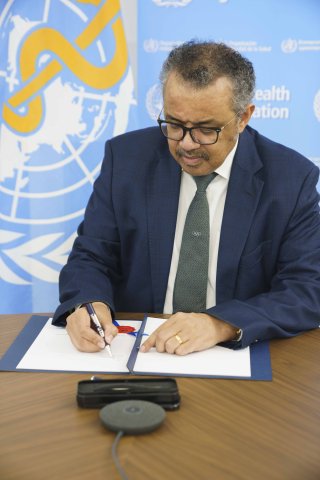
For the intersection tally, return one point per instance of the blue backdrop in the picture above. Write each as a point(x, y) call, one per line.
point(66, 86)
point(281, 38)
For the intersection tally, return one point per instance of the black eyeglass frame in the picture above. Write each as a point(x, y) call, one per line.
point(218, 130)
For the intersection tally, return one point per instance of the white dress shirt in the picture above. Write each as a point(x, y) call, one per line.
point(216, 195)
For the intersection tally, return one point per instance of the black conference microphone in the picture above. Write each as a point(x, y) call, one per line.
point(131, 417)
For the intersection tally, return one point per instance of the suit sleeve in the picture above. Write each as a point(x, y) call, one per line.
point(292, 304)
point(94, 259)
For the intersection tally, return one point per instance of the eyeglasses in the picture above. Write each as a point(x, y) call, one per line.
point(200, 135)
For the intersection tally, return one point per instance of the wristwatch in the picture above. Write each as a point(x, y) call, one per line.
point(238, 335)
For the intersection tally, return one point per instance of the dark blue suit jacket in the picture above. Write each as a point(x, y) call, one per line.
point(268, 273)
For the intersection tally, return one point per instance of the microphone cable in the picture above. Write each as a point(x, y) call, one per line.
point(115, 456)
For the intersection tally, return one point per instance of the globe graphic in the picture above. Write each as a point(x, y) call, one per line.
point(50, 178)
point(47, 174)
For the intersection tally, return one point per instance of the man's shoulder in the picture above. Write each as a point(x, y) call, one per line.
point(142, 135)
point(272, 152)
point(138, 148)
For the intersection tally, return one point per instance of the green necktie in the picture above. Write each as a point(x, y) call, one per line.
point(190, 288)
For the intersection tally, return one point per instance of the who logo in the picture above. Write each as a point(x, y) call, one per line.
point(66, 86)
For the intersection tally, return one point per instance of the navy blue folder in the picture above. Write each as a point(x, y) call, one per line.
point(259, 353)
point(259, 361)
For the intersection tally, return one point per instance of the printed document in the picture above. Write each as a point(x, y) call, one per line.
point(53, 350)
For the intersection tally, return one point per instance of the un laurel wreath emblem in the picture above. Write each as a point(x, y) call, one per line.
point(66, 87)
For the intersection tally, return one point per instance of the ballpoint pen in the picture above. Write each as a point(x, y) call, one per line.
point(96, 325)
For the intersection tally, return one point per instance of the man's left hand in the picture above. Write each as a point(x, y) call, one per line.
point(184, 333)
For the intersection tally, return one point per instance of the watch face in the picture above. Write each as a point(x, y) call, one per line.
point(238, 335)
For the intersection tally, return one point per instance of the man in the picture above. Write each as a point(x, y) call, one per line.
point(263, 274)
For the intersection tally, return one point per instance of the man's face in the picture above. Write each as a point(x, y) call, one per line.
point(209, 106)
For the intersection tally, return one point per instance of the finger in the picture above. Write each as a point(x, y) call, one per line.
point(91, 336)
point(173, 343)
point(84, 344)
point(149, 343)
point(83, 337)
point(161, 335)
point(159, 338)
point(87, 339)
point(104, 315)
point(110, 330)
point(184, 349)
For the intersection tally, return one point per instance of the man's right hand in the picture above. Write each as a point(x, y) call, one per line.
point(83, 337)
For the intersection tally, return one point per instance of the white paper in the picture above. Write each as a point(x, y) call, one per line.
point(216, 361)
point(53, 350)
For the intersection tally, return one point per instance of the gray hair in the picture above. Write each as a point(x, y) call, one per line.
point(202, 63)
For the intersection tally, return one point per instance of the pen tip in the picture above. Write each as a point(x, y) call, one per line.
point(109, 350)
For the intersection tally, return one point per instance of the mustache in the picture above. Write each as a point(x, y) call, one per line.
point(192, 153)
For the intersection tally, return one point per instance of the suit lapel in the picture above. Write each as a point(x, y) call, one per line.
point(162, 205)
point(244, 189)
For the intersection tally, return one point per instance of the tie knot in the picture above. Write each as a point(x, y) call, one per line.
point(203, 181)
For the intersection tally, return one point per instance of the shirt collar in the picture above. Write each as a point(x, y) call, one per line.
point(225, 169)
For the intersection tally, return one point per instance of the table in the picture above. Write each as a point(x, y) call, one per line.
point(224, 430)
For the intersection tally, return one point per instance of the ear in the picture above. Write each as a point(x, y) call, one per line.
point(245, 117)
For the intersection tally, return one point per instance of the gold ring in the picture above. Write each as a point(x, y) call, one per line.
point(178, 339)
